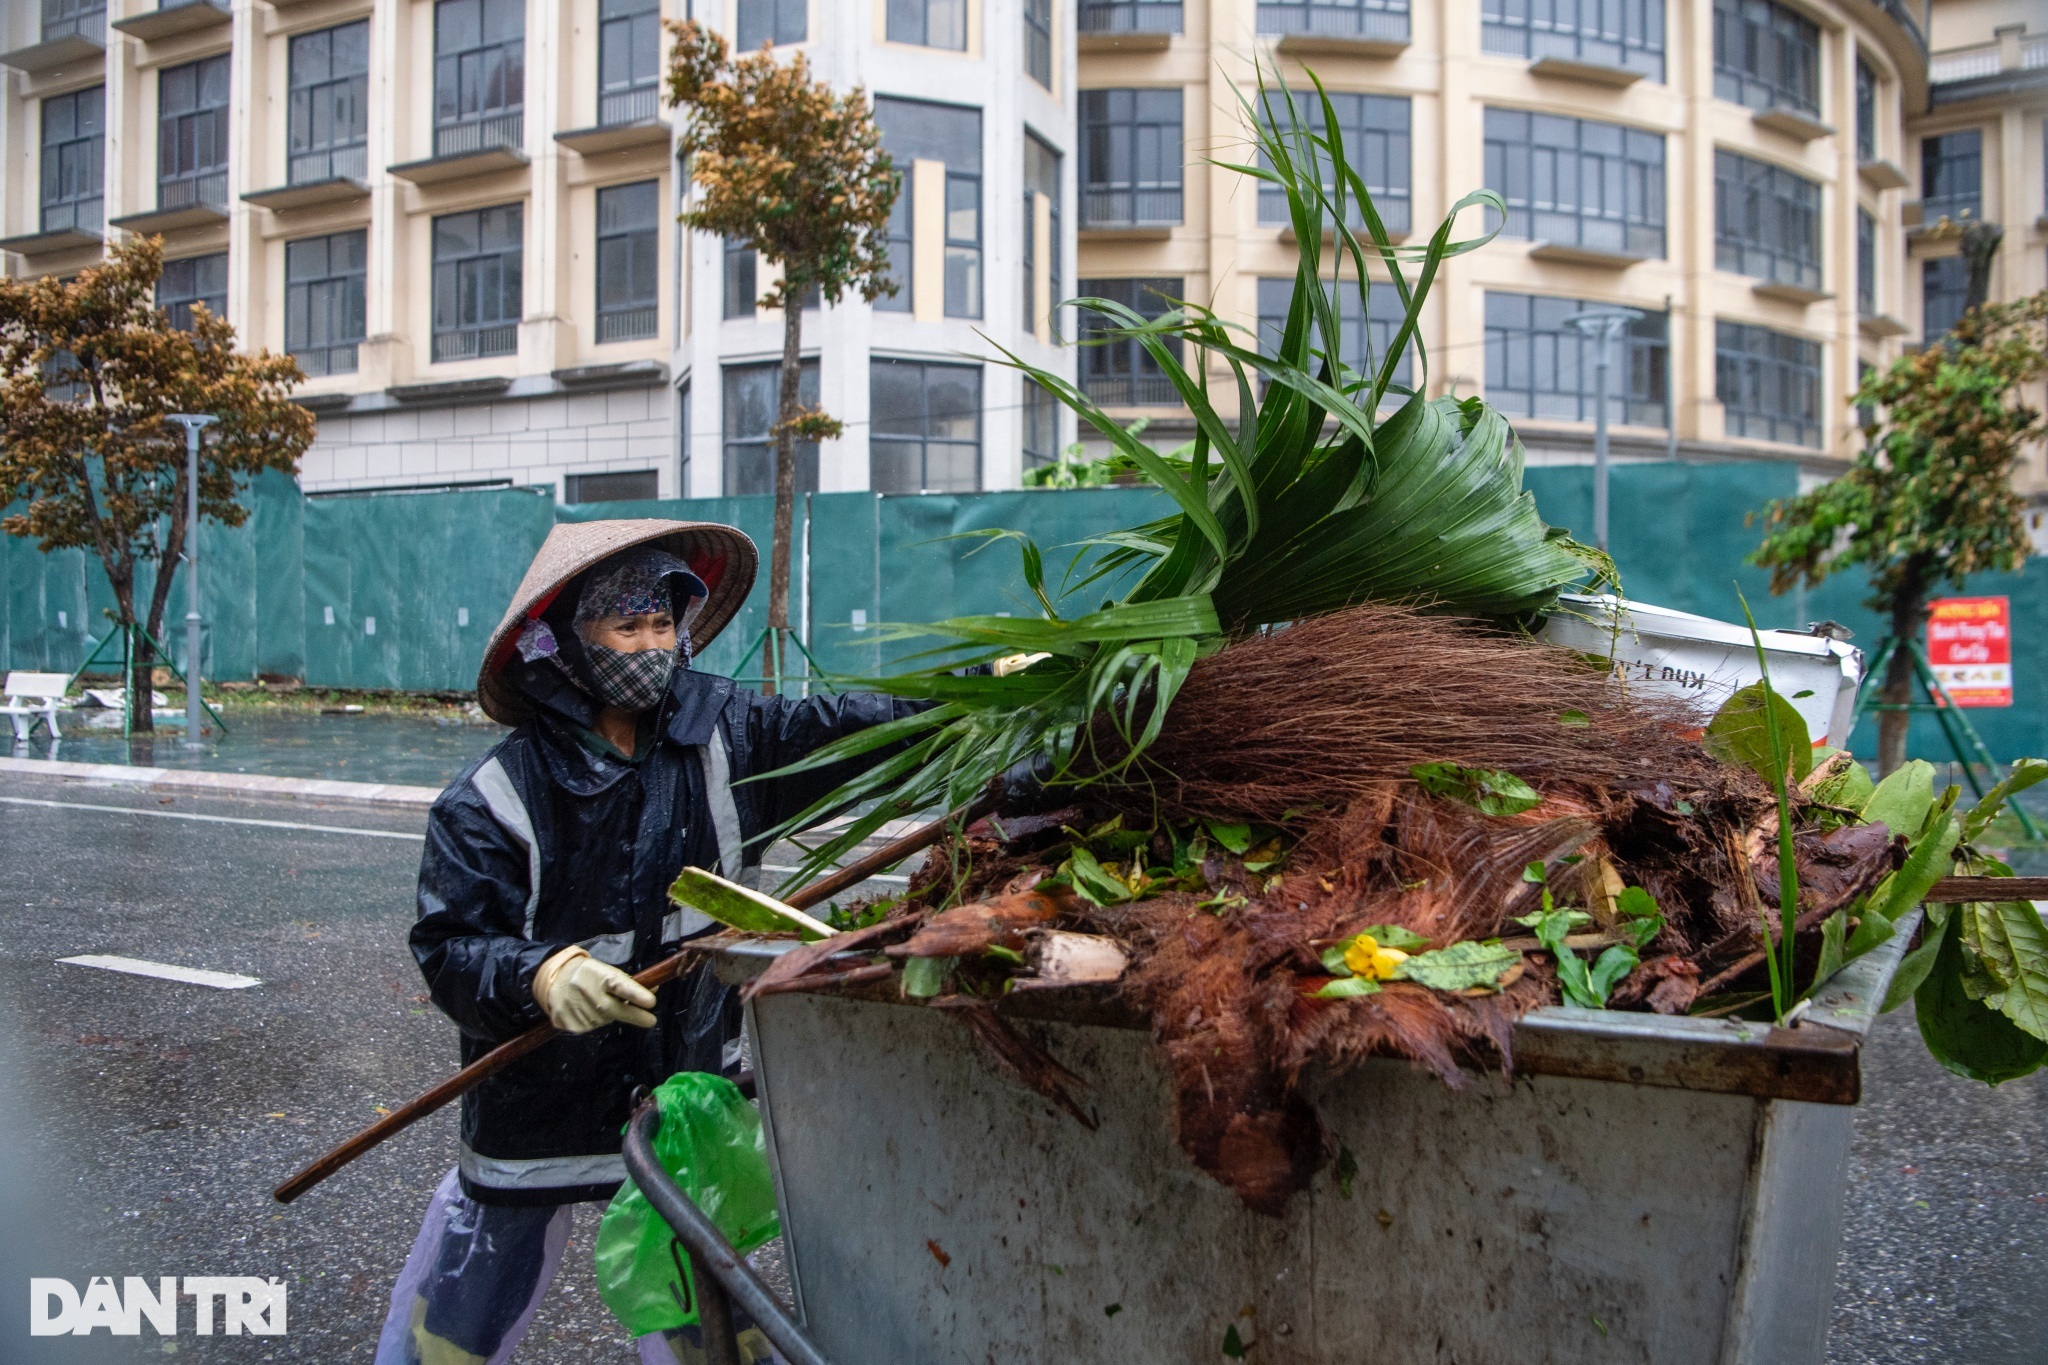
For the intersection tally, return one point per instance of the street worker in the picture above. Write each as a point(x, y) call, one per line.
point(543, 888)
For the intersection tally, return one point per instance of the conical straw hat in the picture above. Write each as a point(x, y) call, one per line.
point(722, 556)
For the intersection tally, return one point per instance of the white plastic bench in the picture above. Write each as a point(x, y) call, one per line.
point(32, 697)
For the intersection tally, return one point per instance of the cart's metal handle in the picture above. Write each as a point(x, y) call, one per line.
point(711, 1256)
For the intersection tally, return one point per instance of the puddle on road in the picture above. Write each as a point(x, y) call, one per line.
point(366, 748)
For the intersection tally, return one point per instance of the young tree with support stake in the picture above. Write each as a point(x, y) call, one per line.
point(90, 371)
point(781, 163)
point(1930, 498)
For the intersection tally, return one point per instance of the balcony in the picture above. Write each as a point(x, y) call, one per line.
point(326, 175)
point(473, 147)
point(2012, 61)
point(168, 20)
point(625, 118)
point(73, 34)
point(1131, 391)
point(1123, 26)
point(195, 200)
point(1365, 28)
point(1149, 212)
point(1796, 124)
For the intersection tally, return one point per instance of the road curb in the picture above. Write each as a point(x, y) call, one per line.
point(227, 784)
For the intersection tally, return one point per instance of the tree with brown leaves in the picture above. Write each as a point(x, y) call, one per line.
point(90, 370)
point(780, 162)
point(1930, 499)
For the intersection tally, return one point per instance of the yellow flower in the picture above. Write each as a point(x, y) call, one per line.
point(1364, 956)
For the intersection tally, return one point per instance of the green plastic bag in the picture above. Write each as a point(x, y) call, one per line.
point(710, 1140)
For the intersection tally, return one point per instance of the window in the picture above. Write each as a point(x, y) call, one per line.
point(1866, 264)
point(1041, 178)
point(1386, 20)
point(1038, 41)
point(752, 398)
point(762, 22)
point(1117, 373)
point(1952, 175)
point(1866, 413)
point(477, 282)
point(1366, 328)
point(1130, 157)
point(924, 425)
point(634, 486)
point(1768, 384)
point(1373, 130)
point(739, 278)
point(1866, 111)
point(627, 238)
point(629, 57)
point(1766, 221)
point(929, 23)
point(323, 301)
point(329, 123)
point(1540, 366)
point(1766, 56)
point(479, 75)
point(1944, 293)
point(1623, 33)
point(913, 131)
point(84, 18)
point(1041, 425)
point(195, 279)
point(74, 142)
point(1577, 182)
point(192, 135)
point(684, 410)
point(1130, 16)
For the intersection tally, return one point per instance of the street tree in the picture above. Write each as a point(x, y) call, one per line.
point(1929, 499)
point(90, 370)
point(781, 163)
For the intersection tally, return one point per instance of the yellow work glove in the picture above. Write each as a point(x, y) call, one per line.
point(578, 993)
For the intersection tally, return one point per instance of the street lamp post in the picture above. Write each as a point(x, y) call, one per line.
point(194, 707)
point(1601, 326)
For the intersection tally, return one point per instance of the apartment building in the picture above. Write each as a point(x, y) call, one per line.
point(460, 217)
point(1731, 170)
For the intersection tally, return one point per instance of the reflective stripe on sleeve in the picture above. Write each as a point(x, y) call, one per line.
point(494, 784)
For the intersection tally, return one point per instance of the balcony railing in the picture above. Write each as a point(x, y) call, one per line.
point(1385, 20)
point(69, 18)
point(628, 324)
point(208, 188)
point(1130, 208)
point(1127, 16)
point(474, 342)
point(2012, 52)
point(330, 163)
point(83, 215)
point(1131, 391)
point(318, 361)
point(627, 106)
point(481, 134)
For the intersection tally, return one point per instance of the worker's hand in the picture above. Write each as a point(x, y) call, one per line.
point(578, 993)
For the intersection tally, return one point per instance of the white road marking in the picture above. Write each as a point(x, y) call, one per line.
point(215, 819)
point(135, 966)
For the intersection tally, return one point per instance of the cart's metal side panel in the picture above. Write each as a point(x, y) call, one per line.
point(937, 1212)
point(1785, 1294)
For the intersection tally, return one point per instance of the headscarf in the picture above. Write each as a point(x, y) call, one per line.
point(643, 581)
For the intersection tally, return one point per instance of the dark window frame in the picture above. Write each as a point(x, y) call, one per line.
point(1540, 178)
point(910, 21)
point(192, 133)
point(1040, 438)
point(747, 465)
point(1866, 263)
point(757, 23)
point(1625, 34)
point(1036, 184)
point(468, 116)
point(1528, 340)
point(611, 485)
point(739, 278)
point(916, 130)
point(1365, 327)
point(1766, 56)
point(1768, 383)
point(325, 306)
point(181, 285)
point(1377, 133)
point(628, 61)
point(1944, 292)
point(928, 439)
point(1952, 175)
point(1382, 20)
point(633, 312)
point(1130, 16)
point(1131, 126)
point(1767, 221)
point(489, 328)
point(1866, 110)
point(1118, 373)
point(1038, 41)
point(80, 18)
point(328, 125)
point(71, 176)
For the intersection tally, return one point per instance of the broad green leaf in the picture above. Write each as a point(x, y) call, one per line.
point(2012, 943)
point(741, 907)
point(1608, 970)
point(2025, 773)
point(1900, 803)
point(1333, 959)
point(1850, 788)
point(1739, 733)
point(1931, 859)
point(1872, 929)
point(1394, 936)
point(1832, 930)
point(1461, 966)
point(1970, 1039)
point(1095, 883)
point(925, 977)
point(1912, 971)
point(1346, 988)
point(1236, 838)
point(1487, 790)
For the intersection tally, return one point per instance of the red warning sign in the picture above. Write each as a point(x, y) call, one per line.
point(1969, 643)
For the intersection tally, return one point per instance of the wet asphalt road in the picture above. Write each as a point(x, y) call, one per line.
point(143, 1122)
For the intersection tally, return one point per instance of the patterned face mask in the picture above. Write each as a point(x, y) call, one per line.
point(631, 682)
